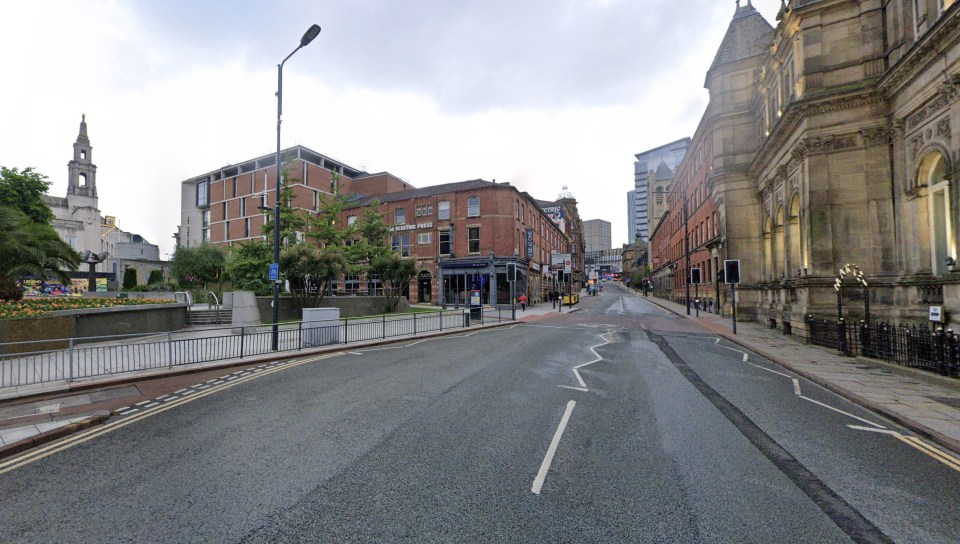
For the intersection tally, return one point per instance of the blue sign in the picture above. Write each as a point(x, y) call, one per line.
point(529, 244)
point(274, 271)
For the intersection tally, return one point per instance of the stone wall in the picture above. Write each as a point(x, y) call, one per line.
point(349, 307)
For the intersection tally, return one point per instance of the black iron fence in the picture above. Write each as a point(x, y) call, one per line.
point(907, 345)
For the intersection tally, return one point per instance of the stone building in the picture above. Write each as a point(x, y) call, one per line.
point(831, 152)
point(78, 221)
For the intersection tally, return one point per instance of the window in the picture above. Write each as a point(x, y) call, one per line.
point(351, 219)
point(226, 230)
point(446, 245)
point(83, 154)
point(316, 200)
point(425, 210)
point(243, 207)
point(523, 214)
point(473, 239)
point(72, 242)
point(203, 194)
point(205, 219)
point(246, 228)
point(234, 194)
point(473, 206)
point(944, 5)
point(401, 244)
point(224, 206)
point(443, 209)
point(399, 216)
point(424, 238)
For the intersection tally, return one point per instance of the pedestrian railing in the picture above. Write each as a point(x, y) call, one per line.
point(23, 363)
point(907, 345)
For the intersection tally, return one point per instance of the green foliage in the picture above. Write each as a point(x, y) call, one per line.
point(199, 265)
point(129, 278)
point(326, 228)
point(34, 249)
point(292, 220)
point(156, 276)
point(24, 191)
point(9, 290)
point(309, 269)
point(370, 242)
point(248, 264)
point(395, 273)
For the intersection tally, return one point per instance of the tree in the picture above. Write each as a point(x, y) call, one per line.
point(324, 228)
point(199, 265)
point(248, 264)
point(310, 269)
point(28, 244)
point(156, 277)
point(24, 191)
point(292, 220)
point(395, 273)
point(371, 242)
point(129, 278)
point(33, 249)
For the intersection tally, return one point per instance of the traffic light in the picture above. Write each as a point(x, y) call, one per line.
point(511, 271)
point(731, 271)
point(695, 276)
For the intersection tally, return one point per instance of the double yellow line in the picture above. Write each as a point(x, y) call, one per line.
point(79, 438)
point(944, 458)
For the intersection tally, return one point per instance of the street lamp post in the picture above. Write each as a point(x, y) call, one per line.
point(308, 37)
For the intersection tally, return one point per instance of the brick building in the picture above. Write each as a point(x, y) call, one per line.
point(463, 235)
point(223, 206)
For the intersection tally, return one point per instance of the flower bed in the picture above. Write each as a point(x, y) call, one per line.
point(40, 307)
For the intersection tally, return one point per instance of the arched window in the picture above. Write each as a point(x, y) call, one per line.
point(778, 244)
point(794, 256)
point(934, 174)
point(767, 246)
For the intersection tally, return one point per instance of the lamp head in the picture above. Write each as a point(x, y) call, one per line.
point(309, 35)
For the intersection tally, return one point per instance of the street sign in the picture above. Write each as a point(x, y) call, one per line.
point(274, 271)
point(936, 314)
point(695, 276)
point(731, 271)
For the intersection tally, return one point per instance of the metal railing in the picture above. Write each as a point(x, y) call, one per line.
point(90, 357)
point(906, 345)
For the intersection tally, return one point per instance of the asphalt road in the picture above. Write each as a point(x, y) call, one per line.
point(618, 423)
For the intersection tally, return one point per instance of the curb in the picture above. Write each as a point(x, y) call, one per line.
point(96, 418)
point(918, 428)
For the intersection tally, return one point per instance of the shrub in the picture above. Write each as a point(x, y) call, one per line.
point(129, 278)
point(156, 276)
point(9, 290)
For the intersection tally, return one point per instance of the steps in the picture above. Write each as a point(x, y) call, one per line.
point(210, 317)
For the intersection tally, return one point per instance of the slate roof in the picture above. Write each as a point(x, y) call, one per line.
point(749, 34)
point(470, 185)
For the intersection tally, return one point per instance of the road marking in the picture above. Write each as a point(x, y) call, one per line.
point(917, 444)
point(151, 405)
point(576, 369)
point(128, 412)
point(142, 403)
point(796, 387)
point(548, 459)
point(90, 434)
point(933, 452)
point(574, 388)
point(839, 411)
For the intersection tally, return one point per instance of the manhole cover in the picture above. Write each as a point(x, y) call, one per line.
point(949, 401)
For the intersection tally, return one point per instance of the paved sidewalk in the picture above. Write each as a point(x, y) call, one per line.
point(924, 402)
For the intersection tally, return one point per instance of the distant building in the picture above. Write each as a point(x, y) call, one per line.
point(596, 235)
point(646, 169)
point(79, 223)
point(565, 215)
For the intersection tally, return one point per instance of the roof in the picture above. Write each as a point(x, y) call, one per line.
point(470, 185)
point(749, 34)
point(663, 172)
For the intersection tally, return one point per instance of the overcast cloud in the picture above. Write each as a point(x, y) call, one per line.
point(535, 92)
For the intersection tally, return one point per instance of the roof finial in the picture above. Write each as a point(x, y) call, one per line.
point(738, 4)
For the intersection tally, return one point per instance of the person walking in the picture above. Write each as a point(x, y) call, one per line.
point(523, 303)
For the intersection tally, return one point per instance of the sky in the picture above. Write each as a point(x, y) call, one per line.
point(539, 93)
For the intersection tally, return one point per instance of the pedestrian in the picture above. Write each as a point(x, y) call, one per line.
point(523, 303)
